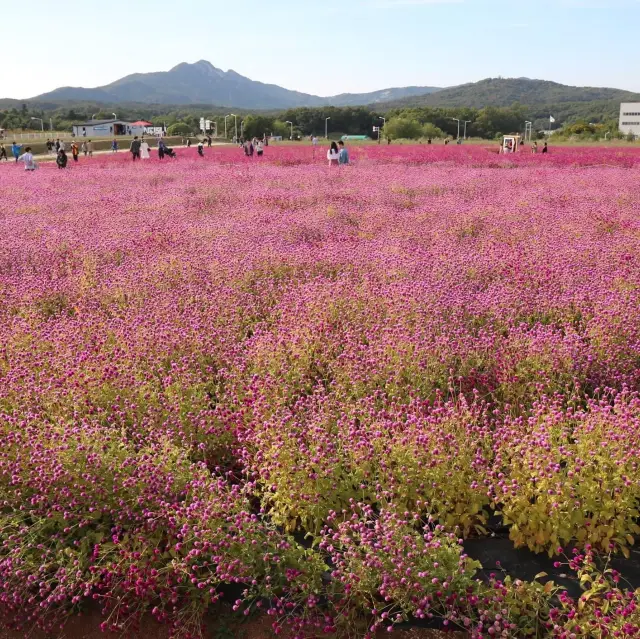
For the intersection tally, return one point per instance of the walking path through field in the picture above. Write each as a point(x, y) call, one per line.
point(47, 157)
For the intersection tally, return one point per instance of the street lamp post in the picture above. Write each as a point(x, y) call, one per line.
point(291, 123)
point(225, 126)
point(465, 128)
point(458, 121)
point(527, 127)
point(41, 123)
point(93, 117)
point(115, 117)
point(242, 129)
point(235, 120)
point(326, 128)
point(384, 122)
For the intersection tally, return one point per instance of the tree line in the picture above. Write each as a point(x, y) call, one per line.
point(412, 123)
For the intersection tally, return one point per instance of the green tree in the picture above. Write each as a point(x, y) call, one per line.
point(403, 128)
point(180, 128)
point(281, 128)
point(255, 126)
point(430, 130)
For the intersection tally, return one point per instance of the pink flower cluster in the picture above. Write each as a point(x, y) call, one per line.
point(204, 359)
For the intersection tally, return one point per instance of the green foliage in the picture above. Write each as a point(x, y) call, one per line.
point(256, 126)
point(281, 128)
point(571, 485)
point(353, 120)
point(399, 128)
point(430, 130)
point(180, 128)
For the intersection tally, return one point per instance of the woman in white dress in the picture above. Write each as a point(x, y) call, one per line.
point(144, 150)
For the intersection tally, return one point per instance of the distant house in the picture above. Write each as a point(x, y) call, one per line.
point(106, 128)
point(630, 118)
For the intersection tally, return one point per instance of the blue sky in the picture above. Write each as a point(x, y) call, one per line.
point(323, 47)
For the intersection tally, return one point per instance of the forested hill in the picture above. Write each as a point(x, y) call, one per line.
point(503, 92)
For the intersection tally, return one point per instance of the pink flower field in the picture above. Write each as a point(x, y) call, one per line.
point(303, 388)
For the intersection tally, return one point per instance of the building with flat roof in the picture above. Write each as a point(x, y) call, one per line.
point(107, 128)
point(630, 118)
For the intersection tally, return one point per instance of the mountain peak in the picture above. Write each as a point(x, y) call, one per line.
point(202, 83)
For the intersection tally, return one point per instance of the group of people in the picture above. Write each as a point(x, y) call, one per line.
point(254, 146)
point(26, 157)
point(15, 151)
point(338, 154)
point(139, 149)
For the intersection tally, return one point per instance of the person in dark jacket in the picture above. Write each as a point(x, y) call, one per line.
point(135, 148)
point(62, 159)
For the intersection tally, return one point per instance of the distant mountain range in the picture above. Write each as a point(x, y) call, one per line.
point(202, 83)
point(501, 92)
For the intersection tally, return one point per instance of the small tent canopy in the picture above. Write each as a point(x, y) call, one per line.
point(141, 123)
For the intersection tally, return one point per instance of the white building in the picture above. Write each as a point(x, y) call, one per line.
point(107, 128)
point(630, 118)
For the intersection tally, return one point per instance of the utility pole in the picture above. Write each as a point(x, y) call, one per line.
point(458, 121)
point(235, 119)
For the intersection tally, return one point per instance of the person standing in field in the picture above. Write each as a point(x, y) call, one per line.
point(63, 146)
point(135, 148)
point(333, 154)
point(49, 146)
point(534, 147)
point(27, 158)
point(3, 152)
point(201, 148)
point(259, 149)
point(545, 149)
point(15, 150)
point(83, 148)
point(343, 154)
point(74, 151)
point(90, 148)
point(114, 146)
point(57, 144)
point(161, 149)
point(144, 150)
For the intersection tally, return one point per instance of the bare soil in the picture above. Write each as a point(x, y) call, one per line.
point(88, 627)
